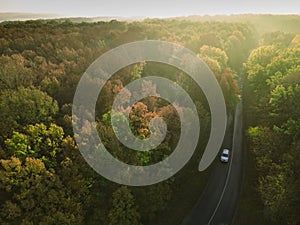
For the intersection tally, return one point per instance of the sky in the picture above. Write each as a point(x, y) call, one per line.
point(150, 8)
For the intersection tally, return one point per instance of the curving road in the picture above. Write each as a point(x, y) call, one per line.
point(218, 203)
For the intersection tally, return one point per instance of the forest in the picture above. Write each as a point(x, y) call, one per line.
point(45, 180)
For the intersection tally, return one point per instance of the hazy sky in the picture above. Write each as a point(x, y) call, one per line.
point(150, 8)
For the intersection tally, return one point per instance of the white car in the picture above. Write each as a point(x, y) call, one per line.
point(225, 155)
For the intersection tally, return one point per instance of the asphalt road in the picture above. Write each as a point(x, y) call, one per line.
point(218, 203)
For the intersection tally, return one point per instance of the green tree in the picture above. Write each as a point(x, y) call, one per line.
point(277, 38)
point(256, 65)
point(235, 50)
point(124, 211)
point(39, 141)
point(14, 72)
point(215, 54)
point(153, 200)
point(273, 75)
point(24, 106)
point(35, 195)
point(211, 39)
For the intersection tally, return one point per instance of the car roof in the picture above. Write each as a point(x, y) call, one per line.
point(225, 150)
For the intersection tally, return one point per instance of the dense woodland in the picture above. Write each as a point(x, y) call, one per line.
point(45, 180)
point(272, 92)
